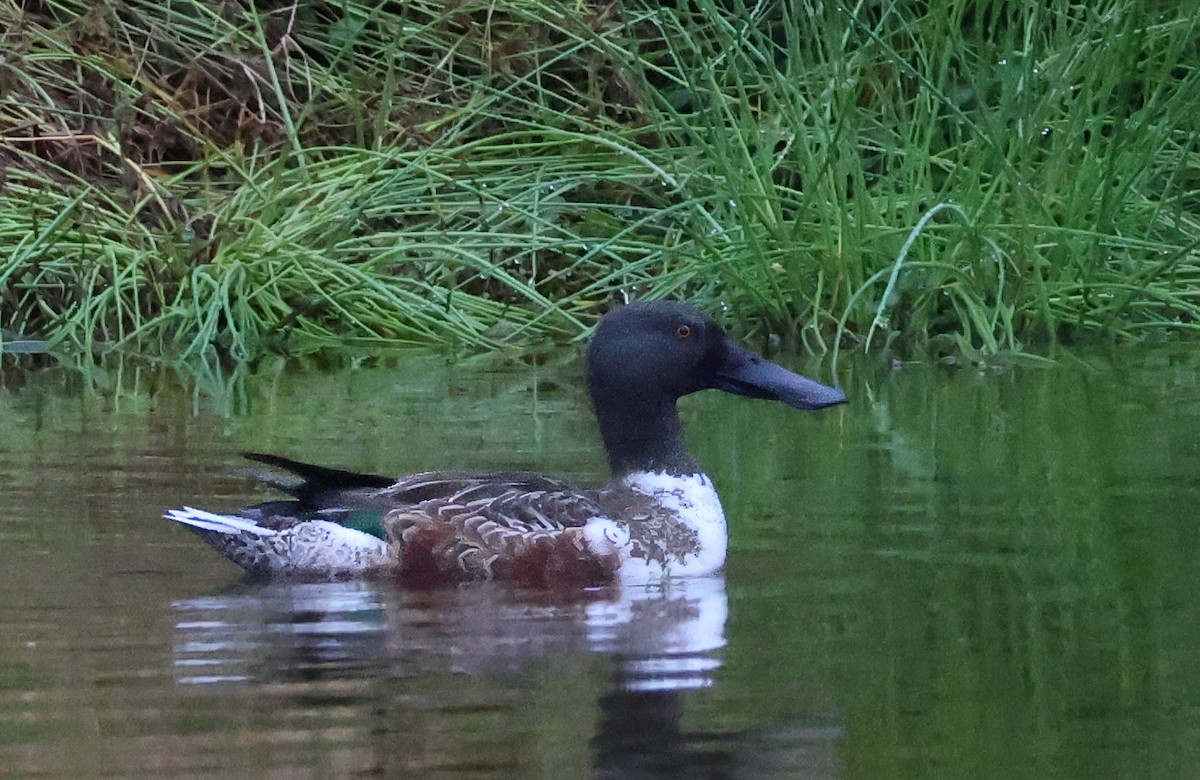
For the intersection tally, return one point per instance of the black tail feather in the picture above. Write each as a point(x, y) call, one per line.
point(319, 480)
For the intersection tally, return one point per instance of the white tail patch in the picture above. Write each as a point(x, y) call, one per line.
point(316, 548)
point(222, 524)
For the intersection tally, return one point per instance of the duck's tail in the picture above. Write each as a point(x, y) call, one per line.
point(317, 485)
point(214, 523)
point(312, 549)
point(250, 545)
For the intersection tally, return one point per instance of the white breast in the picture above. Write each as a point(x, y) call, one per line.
point(690, 499)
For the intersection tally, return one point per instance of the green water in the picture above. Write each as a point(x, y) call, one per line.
point(959, 574)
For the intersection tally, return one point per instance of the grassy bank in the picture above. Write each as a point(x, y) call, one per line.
point(952, 178)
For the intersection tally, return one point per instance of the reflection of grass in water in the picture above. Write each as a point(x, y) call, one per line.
point(179, 174)
point(387, 411)
point(1008, 595)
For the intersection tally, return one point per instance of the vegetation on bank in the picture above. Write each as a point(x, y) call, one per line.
point(950, 177)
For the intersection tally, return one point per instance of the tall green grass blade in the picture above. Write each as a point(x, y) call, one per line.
point(191, 176)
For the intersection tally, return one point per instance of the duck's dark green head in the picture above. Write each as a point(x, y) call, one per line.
point(647, 355)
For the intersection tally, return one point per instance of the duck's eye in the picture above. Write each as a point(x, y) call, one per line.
point(683, 331)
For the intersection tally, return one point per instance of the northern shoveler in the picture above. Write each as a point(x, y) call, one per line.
point(658, 517)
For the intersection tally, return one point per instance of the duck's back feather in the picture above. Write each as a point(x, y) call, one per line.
point(448, 526)
point(524, 528)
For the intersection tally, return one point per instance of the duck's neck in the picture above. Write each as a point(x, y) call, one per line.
point(642, 434)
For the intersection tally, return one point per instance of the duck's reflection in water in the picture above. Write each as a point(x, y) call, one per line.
point(585, 676)
point(665, 636)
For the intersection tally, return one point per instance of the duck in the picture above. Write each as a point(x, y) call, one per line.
point(658, 517)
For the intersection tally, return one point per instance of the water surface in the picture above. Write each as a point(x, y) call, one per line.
point(959, 574)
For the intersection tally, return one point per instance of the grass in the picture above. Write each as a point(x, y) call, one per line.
point(954, 179)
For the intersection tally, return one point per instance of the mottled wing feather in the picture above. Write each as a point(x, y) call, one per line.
point(491, 530)
point(341, 505)
point(458, 486)
point(452, 525)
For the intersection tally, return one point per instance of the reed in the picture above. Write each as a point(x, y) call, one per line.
point(954, 179)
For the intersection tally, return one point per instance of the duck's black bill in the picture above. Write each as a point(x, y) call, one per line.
point(745, 373)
